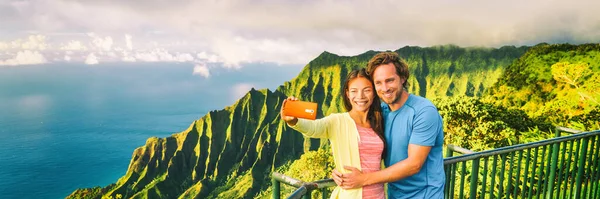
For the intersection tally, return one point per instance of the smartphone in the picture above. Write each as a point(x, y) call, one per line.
point(301, 109)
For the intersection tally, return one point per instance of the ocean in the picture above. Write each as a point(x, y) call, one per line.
point(68, 126)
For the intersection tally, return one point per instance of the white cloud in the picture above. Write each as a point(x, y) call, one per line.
point(35, 42)
point(162, 55)
point(184, 57)
point(4, 46)
point(239, 90)
point(26, 57)
point(111, 54)
point(202, 70)
point(127, 57)
point(101, 43)
point(349, 28)
point(146, 56)
point(295, 32)
point(209, 58)
point(128, 42)
point(238, 50)
point(154, 55)
point(67, 58)
point(74, 45)
point(32, 42)
point(91, 59)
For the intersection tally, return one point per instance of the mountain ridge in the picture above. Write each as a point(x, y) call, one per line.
point(230, 153)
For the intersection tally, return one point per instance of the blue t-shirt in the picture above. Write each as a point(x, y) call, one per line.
point(416, 122)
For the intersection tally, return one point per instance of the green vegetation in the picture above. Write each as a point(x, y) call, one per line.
point(560, 83)
point(312, 166)
point(473, 124)
point(90, 193)
point(555, 84)
point(490, 97)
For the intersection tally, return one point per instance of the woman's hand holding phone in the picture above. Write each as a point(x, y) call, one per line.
point(290, 120)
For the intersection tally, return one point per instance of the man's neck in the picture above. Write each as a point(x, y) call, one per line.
point(399, 103)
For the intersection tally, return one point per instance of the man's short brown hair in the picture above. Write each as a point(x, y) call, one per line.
point(386, 58)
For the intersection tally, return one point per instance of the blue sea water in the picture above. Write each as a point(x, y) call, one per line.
point(69, 126)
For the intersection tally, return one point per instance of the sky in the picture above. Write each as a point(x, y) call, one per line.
point(292, 32)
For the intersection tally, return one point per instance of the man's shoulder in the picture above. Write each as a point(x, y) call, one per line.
point(419, 103)
point(425, 109)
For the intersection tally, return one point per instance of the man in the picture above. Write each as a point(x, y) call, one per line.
point(414, 137)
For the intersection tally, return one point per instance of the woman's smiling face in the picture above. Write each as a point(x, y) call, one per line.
point(360, 93)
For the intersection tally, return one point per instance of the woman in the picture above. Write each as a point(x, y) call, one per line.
point(356, 136)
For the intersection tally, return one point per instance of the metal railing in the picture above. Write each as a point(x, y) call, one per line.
point(304, 189)
point(453, 148)
point(560, 167)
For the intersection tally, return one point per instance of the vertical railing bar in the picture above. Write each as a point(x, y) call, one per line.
point(454, 167)
point(568, 167)
point(530, 190)
point(474, 177)
point(597, 181)
point(562, 168)
point(463, 170)
point(502, 169)
point(550, 173)
point(541, 172)
point(308, 194)
point(485, 173)
point(596, 173)
point(592, 163)
point(510, 170)
point(449, 152)
point(553, 163)
point(324, 193)
point(588, 166)
point(494, 163)
point(580, 168)
point(447, 172)
point(455, 179)
point(518, 176)
point(574, 170)
point(525, 173)
point(276, 188)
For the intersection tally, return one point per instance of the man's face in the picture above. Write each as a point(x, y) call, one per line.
point(387, 83)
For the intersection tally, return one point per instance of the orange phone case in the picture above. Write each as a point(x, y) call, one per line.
point(300, 109)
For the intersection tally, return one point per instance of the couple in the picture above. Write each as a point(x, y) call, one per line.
point(406, 131)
